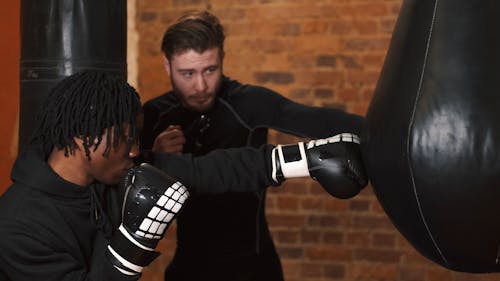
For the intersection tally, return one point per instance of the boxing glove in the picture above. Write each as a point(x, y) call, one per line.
point(152, 200)
point(334, 162)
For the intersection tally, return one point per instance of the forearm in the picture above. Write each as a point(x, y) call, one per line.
point(228, 170)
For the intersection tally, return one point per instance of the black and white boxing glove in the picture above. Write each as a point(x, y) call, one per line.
point(334, 162)
point(152, 200)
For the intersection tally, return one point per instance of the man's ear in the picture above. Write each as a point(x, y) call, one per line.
point(79, 150)
point(79, 142)
point(166, 64)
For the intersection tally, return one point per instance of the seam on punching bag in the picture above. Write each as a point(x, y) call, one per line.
point(412, 119)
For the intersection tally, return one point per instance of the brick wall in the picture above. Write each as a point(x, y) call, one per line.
point(324, 53)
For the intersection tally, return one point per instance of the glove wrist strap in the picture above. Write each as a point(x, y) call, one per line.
point(129, 254)
point(289, 161)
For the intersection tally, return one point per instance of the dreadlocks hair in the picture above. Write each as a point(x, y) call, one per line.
point(85, 105)
point(199, 31)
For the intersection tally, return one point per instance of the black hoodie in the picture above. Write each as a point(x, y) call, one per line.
point(52, 229)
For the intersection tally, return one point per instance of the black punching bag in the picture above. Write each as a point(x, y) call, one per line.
point(432, 138)
point(62, 37)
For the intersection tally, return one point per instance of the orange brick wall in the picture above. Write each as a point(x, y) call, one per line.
point(323, 53)
point(9, 90)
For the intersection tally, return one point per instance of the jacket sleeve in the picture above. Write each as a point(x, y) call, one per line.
point(224, 170)
point(262, 107)
point(33, 253)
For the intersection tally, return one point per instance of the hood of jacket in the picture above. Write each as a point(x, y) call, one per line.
point(103, 203)
point(31, 169)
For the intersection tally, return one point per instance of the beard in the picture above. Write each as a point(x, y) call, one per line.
point(201, 103)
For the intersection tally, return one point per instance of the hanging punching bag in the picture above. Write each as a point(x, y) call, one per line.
point(431, 144)
point(62, 37)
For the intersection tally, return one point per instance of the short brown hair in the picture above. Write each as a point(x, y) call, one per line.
point(197, 31)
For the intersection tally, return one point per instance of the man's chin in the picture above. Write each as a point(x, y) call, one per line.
point(113, 181)
point(200, 107)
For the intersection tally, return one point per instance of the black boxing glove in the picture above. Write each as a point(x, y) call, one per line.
point(152, 200)
point(334, 162)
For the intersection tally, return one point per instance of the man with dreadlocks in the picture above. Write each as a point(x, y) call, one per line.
point(79, 208)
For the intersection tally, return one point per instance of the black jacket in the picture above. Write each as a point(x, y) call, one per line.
point(217, 228)
point(51, 229)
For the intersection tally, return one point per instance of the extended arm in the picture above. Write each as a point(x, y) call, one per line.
point(334, 162)
point(223, 170)
point(262, 107)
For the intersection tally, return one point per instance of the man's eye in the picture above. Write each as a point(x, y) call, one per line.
point(211, 69)
point(187, 74)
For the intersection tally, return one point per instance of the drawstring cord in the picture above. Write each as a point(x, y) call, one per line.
point(97, 213)
point(95, 206)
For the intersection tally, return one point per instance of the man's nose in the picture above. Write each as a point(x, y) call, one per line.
point(201, 83)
